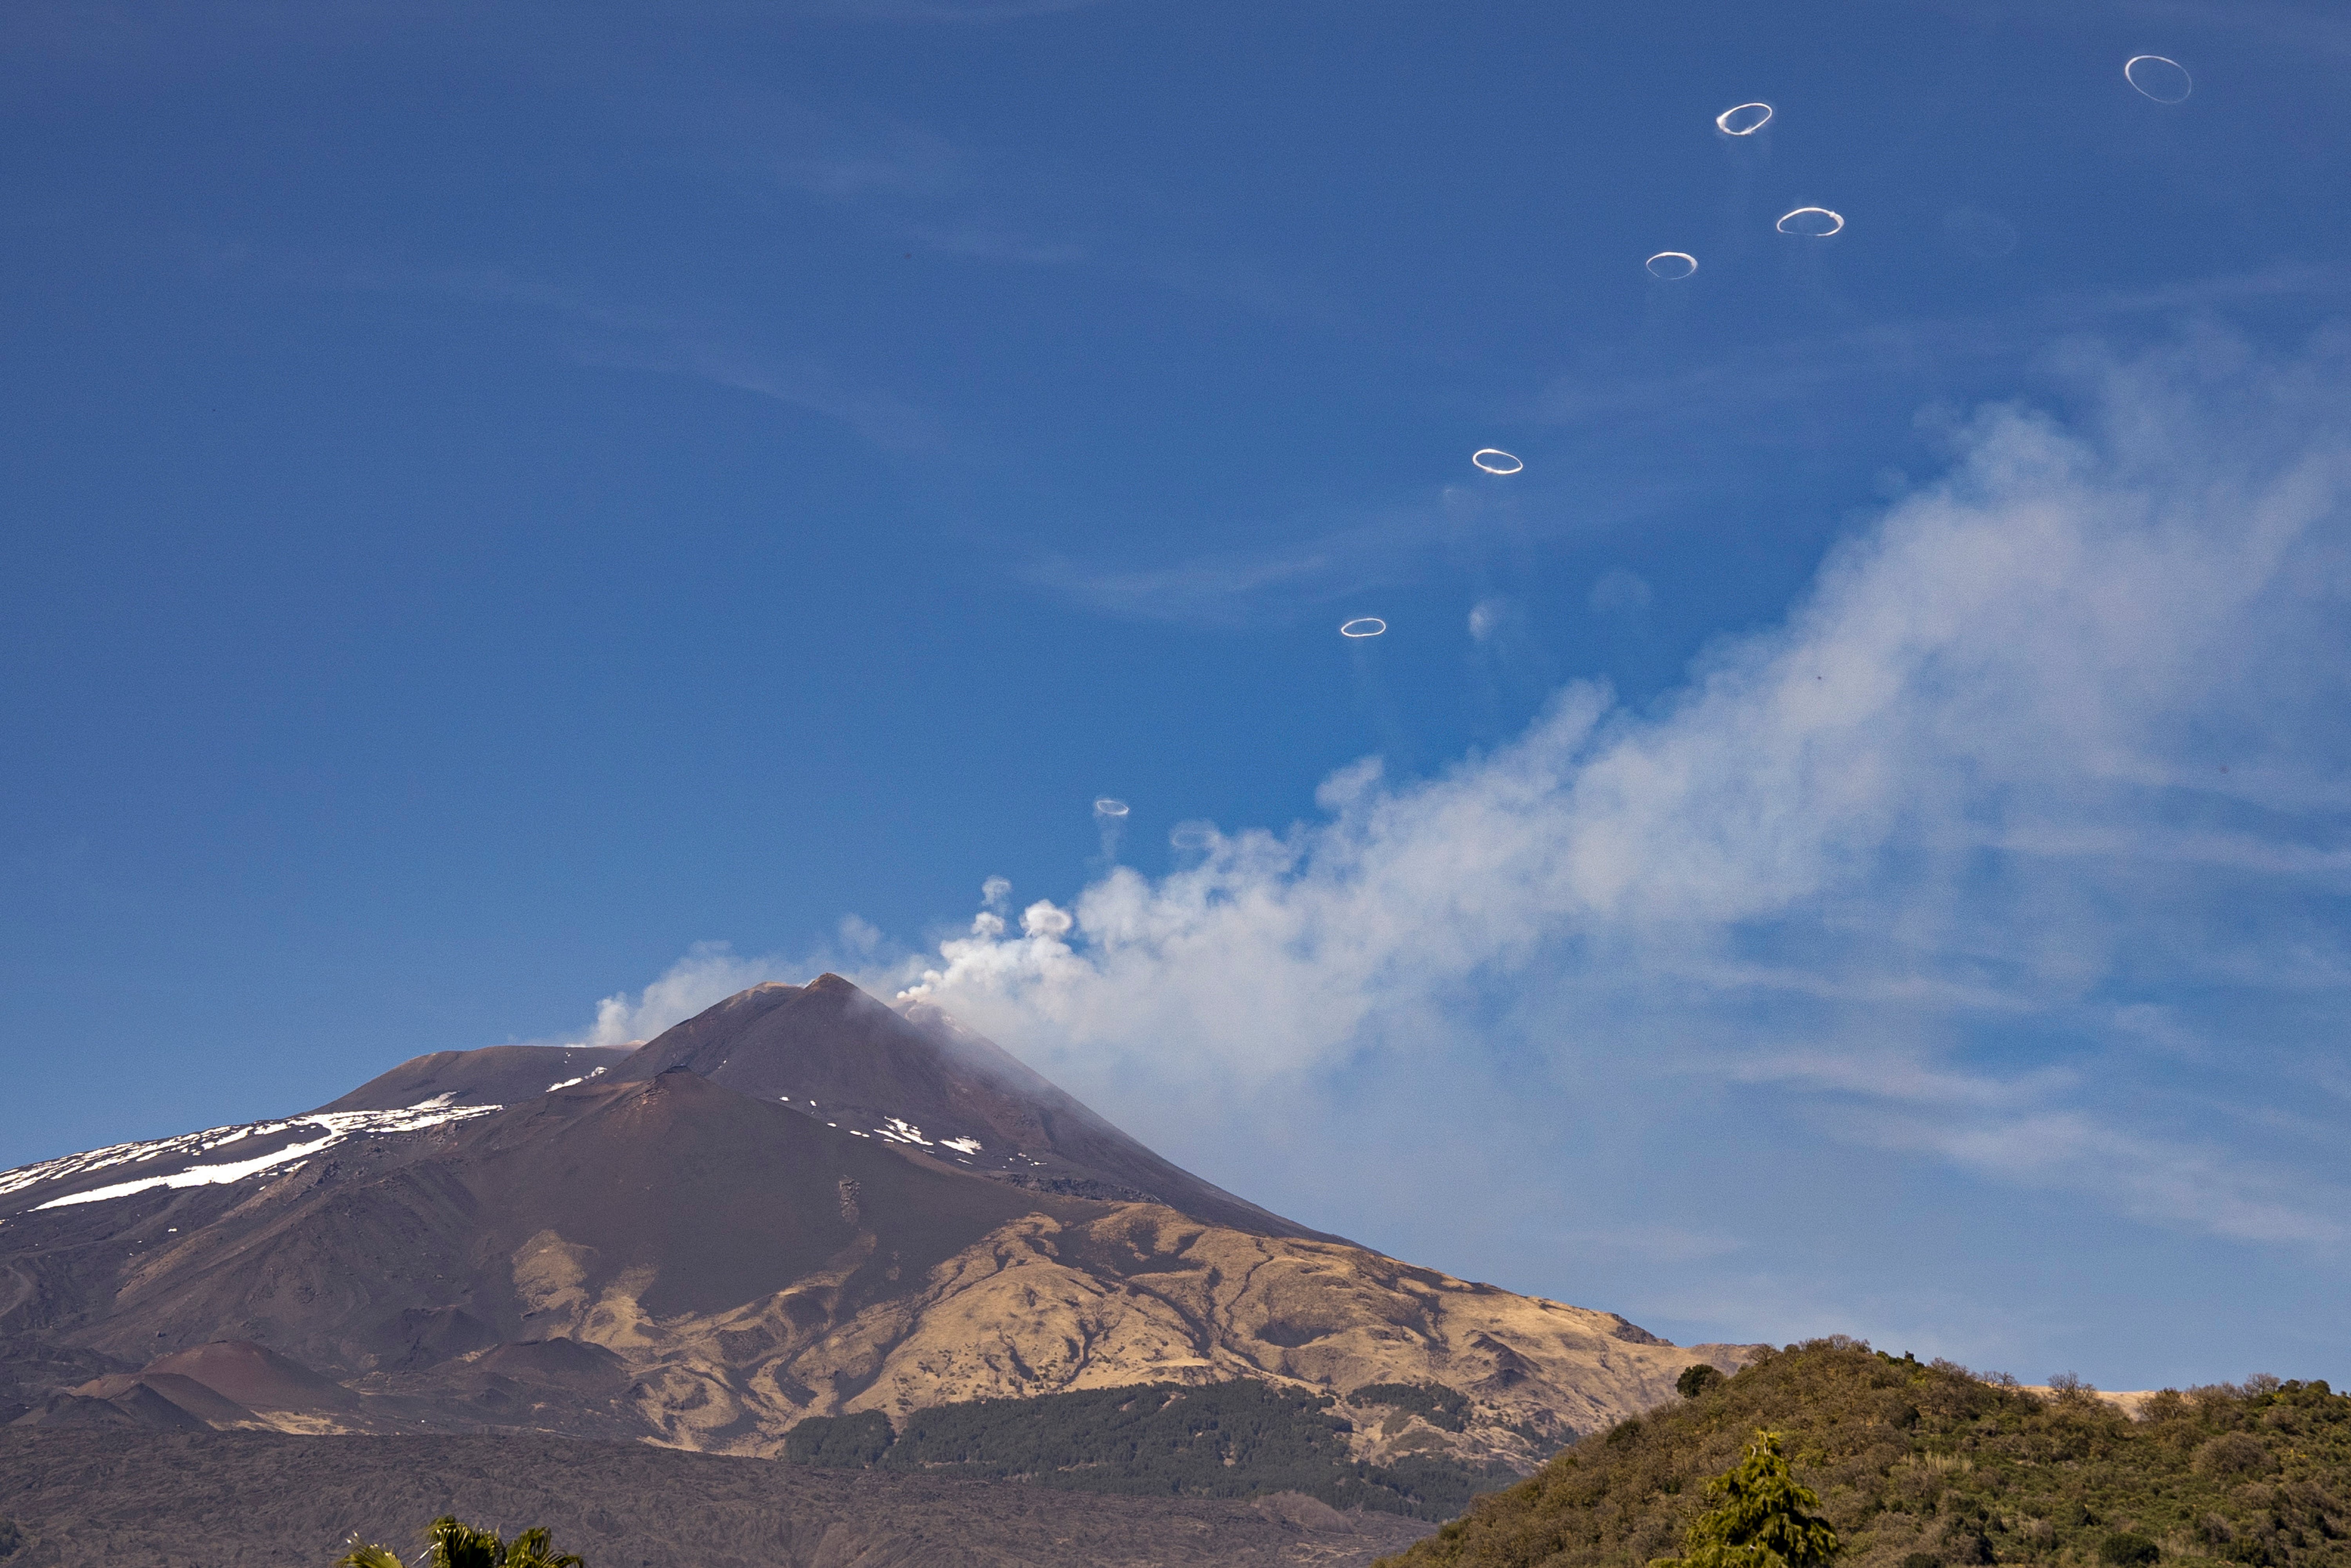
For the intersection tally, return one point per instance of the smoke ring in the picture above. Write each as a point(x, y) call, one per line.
point(2155, 77)
point(1743, 119)
point(1811, 222)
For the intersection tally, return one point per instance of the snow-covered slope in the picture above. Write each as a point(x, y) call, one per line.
point(212, 1157)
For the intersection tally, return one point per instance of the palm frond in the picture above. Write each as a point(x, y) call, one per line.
point(536, 1549)
point(455, 1545)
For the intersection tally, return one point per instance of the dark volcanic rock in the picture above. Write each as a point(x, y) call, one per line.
point(254, 1377)
point(493, 1075)
point(921, 1080)
point(192, 1406)
point(260, 1500)
point(431, 1336)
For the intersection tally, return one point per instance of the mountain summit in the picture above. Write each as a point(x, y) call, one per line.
point(830, 1052)
point(796, 1203)
point(923, 1081)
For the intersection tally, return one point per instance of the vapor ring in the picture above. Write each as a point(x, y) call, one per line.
point(1671, 264)
point(1501, 462)
point(1364, 626)
point(2163, 80)
point(1813, 223)
point(1743, 121)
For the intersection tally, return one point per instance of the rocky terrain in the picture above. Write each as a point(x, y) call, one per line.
point(800, 1202)
point(265, 1500)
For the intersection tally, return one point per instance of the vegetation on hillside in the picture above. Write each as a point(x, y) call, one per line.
point(1926, 1465)
point(841, 1442)
point(1446, 1409)
point(452, 1544)
point(1696, 1379)
point(1221, 1439)
point(1763, 1518)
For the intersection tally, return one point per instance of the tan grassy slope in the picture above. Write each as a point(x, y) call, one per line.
point(1922, 1467)
point(1140, 1294)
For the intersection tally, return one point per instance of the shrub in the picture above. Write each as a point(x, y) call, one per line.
point(2071, 1390)
point(1696, 1380)
point(2233, 1454)
point(1971, 1547)
point(2125, 1550)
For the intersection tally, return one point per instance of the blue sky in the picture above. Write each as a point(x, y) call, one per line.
point(508, 513)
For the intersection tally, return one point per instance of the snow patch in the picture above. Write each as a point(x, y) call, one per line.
point(967, 1146)
point(901, 1131)
point(337, 1126)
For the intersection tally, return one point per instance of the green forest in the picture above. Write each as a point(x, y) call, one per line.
point(1222, 1440)
point(1928, 1466)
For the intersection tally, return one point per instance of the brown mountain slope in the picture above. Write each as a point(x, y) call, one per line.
point(923, 1081)
point(658, 1255)
point(493, 1075)
point(686, 1198)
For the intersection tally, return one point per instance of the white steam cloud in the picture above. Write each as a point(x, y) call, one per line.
point(708, 973)
point(712, 971)
point(2040, 788)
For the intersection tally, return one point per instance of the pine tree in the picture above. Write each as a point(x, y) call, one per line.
point(1763, 1520)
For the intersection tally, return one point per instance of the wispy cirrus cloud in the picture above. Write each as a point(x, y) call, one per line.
point(1227, 591)
point(2198, 1183)
point(883, 419)
point(992, 203)
point(1767, 379)
point(1323, 563)
point(1631, 424)
point(594, 327)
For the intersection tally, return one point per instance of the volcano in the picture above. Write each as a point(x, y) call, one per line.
point(801, 1202)
point(828, 1050)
